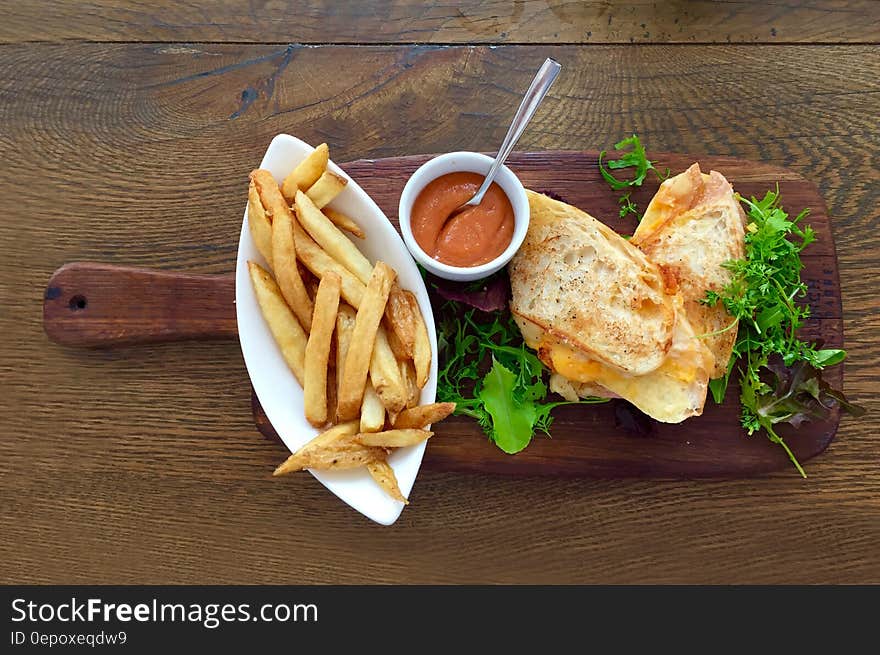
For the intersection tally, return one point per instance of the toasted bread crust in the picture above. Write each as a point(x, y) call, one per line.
point(580, 281)
point(691, 227)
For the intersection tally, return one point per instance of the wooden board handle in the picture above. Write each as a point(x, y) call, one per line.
point(91, 304)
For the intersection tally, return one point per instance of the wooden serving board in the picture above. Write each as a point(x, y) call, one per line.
point(101, 305)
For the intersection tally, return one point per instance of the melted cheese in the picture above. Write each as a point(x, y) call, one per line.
point(577, 368)
point(674, 197)
point(673, 392)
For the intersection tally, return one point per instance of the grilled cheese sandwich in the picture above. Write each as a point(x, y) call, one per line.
point(607, 319)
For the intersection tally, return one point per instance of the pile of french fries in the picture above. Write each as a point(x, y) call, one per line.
point(356, 341)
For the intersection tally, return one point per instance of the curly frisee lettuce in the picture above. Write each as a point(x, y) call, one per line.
point(780, 375)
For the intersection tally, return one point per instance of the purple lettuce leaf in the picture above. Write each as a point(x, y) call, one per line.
point(490, 294)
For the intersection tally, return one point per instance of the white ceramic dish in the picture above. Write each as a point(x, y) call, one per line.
point(278, 391)
point(470, 162)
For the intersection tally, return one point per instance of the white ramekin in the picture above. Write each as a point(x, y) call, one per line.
point(468, 162)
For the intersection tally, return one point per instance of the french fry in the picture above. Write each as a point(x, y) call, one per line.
point(284, 256)
point(259, 223)
point(360, 349)
point(307, 173)
point(393, 340)
point(333, 448)
point(327, 187)
point(383, 474)
point(372, 410)
point(331, 391)
point(338, 458)
point(328, 436)
point(422, 344)
point(396, 438)
point(319, 262)
point(344, 222)
point(288, 333)
point(408, 375)
point(331, 238)
point(423, 415)
point(318, 350)
point(399, 315)
point(344, 327)
point(385, 375)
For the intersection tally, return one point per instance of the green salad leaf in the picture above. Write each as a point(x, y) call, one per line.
point(493, 377)
point(636, 159)
point(627, 206)
point(512, 422)
point(779, 374)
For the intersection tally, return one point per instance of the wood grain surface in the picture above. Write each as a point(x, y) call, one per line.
point(470, 21)
point(141, 464)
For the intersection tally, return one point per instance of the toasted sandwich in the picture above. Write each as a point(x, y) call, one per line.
point(691, 227)
point(599, 313)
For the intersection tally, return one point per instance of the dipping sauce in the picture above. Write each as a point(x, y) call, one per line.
point(476, 235)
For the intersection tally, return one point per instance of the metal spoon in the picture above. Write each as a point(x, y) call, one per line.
point(538, 89)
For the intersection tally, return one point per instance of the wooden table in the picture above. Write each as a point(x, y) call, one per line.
point(126, 133)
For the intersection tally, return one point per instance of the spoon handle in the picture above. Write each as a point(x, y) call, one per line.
point(527, 108)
